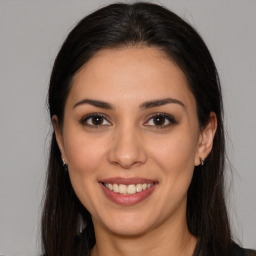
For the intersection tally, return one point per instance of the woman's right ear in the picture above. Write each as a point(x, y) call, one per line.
point(58, 135)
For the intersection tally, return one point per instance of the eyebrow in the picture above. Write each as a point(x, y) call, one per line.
point(95, 103)
point(160, 102)
point(145, 105)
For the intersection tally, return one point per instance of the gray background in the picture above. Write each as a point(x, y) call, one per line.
point(31, 33)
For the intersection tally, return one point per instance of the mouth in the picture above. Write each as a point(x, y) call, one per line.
point(128, 191)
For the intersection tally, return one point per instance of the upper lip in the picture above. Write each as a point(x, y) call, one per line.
point(127, 181)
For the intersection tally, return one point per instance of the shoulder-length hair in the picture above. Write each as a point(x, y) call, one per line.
point(67, 228)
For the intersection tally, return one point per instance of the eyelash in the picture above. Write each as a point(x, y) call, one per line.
point(84, 120)
point(171, 120)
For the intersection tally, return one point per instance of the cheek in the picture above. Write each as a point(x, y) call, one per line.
point(175, 151)
point(84, 155)
point(83, 152)
point(175, 156)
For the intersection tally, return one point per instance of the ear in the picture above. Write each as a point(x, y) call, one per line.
point(205, 141)
point(59, 136)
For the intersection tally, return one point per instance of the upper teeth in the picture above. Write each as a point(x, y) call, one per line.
point(128, 189)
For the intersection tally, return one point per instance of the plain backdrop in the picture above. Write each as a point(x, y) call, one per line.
point(31, 33)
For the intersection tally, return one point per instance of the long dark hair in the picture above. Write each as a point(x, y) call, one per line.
point(67, 227)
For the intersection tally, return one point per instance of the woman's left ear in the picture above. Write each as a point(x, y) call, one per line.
point(205, 141)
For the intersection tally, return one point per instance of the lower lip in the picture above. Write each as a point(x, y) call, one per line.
point(128, 199)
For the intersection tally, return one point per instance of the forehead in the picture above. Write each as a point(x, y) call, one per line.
point(130, 74)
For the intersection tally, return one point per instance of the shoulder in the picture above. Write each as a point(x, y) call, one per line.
point(249, 252)
point(236, 250)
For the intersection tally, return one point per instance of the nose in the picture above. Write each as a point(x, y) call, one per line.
point(127, 148)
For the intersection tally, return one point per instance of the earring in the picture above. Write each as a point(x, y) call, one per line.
point(201, 161)
point(65, 165)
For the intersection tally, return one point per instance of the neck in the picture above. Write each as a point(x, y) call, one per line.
point(166, 240)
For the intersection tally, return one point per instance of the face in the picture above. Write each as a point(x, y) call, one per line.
point(131, 139)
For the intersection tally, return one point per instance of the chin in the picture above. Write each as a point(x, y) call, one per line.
point(128, 224)
point(129, 230)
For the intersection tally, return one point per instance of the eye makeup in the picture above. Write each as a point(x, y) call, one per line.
point(95, 120)
point(161, 120)
point(155, 120)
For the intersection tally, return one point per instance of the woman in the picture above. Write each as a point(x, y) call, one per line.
point(136, 164)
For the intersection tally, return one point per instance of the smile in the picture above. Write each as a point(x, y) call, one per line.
point(128, 189)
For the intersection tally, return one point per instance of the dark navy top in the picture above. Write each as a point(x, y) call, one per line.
point(236, 250)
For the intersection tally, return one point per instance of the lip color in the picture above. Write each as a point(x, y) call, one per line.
point(122, 199)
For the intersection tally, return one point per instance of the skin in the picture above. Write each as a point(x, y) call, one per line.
point(128, 143)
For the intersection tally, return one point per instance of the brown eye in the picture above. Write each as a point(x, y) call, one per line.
point(95, 120)
point(160, 120)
